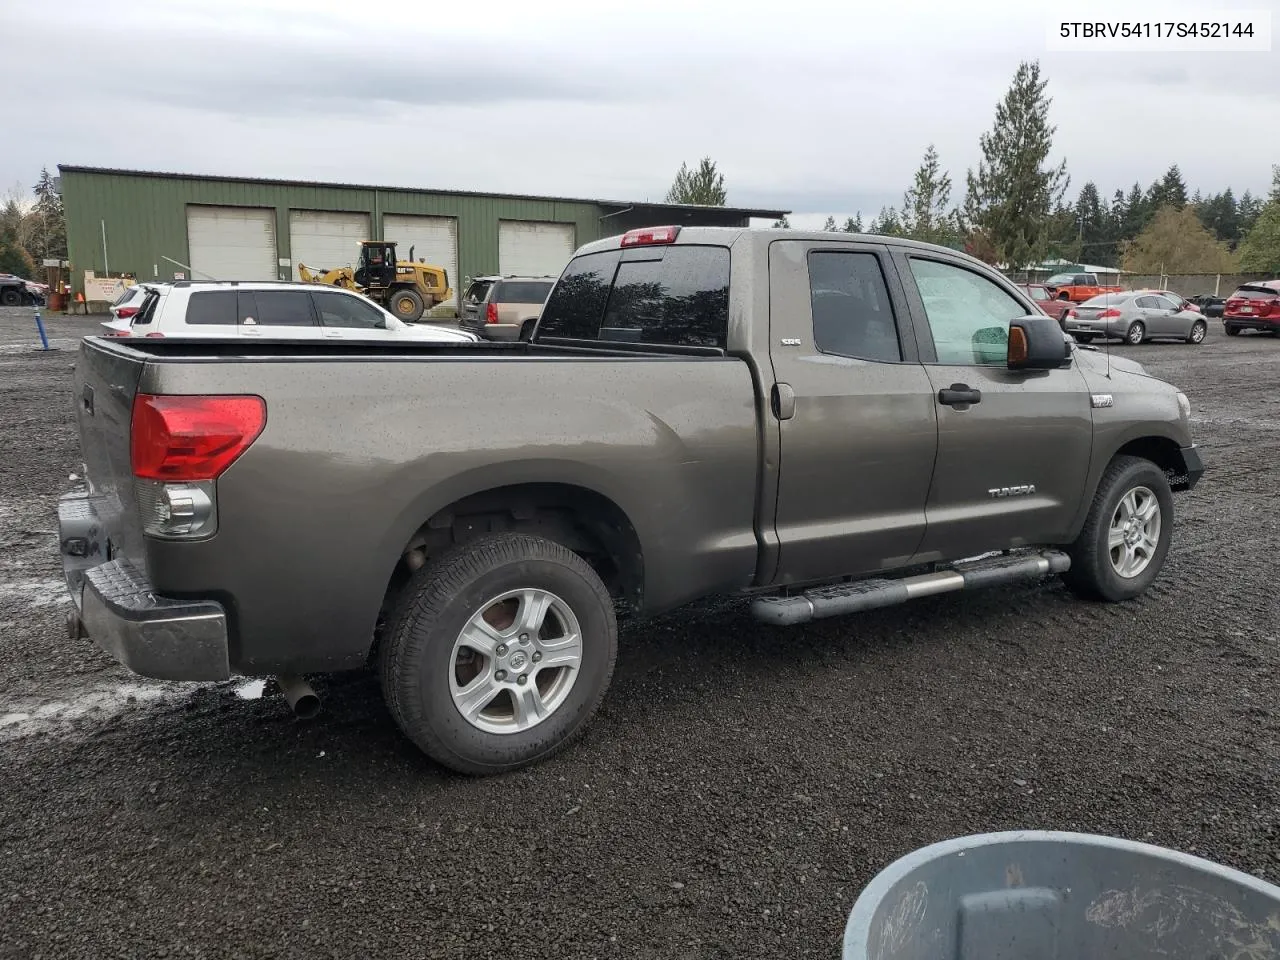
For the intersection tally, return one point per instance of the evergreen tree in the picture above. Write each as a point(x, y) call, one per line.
point(927, 213)
point(703, 186)
point(1135, 213)
point(1260, 249)
point(1247, 212)
point(853, 224)
point(782, 223)
point(50, 232)
point(1173, 190)
point(888, 224)
point(830, 225)
point(1012, 193)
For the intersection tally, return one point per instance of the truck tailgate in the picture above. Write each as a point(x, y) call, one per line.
point(103, 391)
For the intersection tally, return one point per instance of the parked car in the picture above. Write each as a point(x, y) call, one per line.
point(1209, 304)
point(127, 304)
point(1078, 287)
point(1254, 306)
point(18, 292)
point(815, 422)
point(1181, 302)
point(504, 308)
point(1134, 317)
point(264, 309)
point(1043, 298)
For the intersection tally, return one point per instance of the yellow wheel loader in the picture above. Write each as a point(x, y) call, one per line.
point(405, 287)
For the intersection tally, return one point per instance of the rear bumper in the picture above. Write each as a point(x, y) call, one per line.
point(153, 636)
point(1251, 323)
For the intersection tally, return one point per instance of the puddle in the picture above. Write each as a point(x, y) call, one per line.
point(36, 593)
point(27, 718)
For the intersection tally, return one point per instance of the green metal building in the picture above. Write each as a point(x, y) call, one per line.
point(164, 226)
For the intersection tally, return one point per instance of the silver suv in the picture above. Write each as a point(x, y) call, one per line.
point(504, 308)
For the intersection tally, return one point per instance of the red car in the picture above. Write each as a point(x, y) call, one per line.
point(1254, 306)
point(1045, 299)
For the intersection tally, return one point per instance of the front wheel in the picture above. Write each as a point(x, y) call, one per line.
point(1126, 536)
point(500, 652)
point(1198, 331)
point(406, 304)
point(10, 297)
point(1136, 333)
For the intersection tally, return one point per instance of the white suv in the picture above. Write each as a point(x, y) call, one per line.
point(267, 310)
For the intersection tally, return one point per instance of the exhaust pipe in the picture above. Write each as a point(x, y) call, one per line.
point(301, 698)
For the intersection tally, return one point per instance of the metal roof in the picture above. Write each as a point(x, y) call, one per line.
point(620, 204)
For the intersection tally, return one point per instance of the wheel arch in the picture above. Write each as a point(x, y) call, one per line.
point(577, 515)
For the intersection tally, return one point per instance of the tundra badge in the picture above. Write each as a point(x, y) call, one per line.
point(999, 493)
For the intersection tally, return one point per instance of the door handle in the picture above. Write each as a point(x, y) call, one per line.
point(783, 401)
point(959, 395)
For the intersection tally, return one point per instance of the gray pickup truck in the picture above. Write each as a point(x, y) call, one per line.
point(820, 423)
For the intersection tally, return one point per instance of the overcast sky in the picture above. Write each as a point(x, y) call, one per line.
point(817, 107)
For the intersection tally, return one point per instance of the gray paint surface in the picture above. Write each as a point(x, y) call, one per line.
point(871, 474)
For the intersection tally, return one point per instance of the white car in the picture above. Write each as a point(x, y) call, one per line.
point(265, 310)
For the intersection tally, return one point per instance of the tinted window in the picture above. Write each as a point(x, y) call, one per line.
point(341, 310)
point(127, 294)
point(1084, 280)
point(476, 292)
point(968, 314)
point(1255, 293)
point(576, 306)
point(147, 312)
point(521, 291)
point(213, 307)
point(680, 300)
point(852, 315)
point(283, 308)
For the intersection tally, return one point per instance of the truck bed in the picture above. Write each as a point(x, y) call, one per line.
point(366, 444)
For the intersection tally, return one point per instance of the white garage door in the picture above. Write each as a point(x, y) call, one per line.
point(324, 239)
point(232, 243)
point(530, 249)
point(434, 240)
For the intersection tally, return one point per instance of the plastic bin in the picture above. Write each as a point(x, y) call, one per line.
point(1041, 895)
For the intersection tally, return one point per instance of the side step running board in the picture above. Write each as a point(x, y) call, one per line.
point(845, 598)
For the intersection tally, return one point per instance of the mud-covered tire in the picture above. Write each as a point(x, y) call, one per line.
point(1136, 333)
point(418, 658)
point(1199, 330)
point(1093, 574)
point(405, 304)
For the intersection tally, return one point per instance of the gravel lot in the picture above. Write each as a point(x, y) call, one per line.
point(737, 790)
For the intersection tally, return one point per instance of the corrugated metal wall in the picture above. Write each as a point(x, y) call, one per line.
point(145, 218)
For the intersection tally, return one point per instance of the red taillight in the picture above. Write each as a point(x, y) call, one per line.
point(491, 313)
point(649, 235)
point(124, 313)
point(184, 439)
point(1071, 314)
point(1109, 314)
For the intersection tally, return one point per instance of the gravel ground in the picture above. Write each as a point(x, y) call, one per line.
point(739, 787)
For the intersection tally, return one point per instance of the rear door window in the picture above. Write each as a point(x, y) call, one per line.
point(283, 308)
point(212, 308)
point(521, 291)
point(1149, 303)
point(341, 310)
point(852, 315)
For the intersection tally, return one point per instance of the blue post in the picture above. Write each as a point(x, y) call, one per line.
point(40, 326)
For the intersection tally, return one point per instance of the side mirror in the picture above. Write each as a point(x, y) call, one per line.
point(1037, 343)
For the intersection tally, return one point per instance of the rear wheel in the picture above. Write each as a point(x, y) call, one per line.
point(1232, 330)
point(1136, 333)
point(406, 304)
point(1126, 536)
point(500, 652)
point(11, 297)
point(1198, 331)
point(1084, 338)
